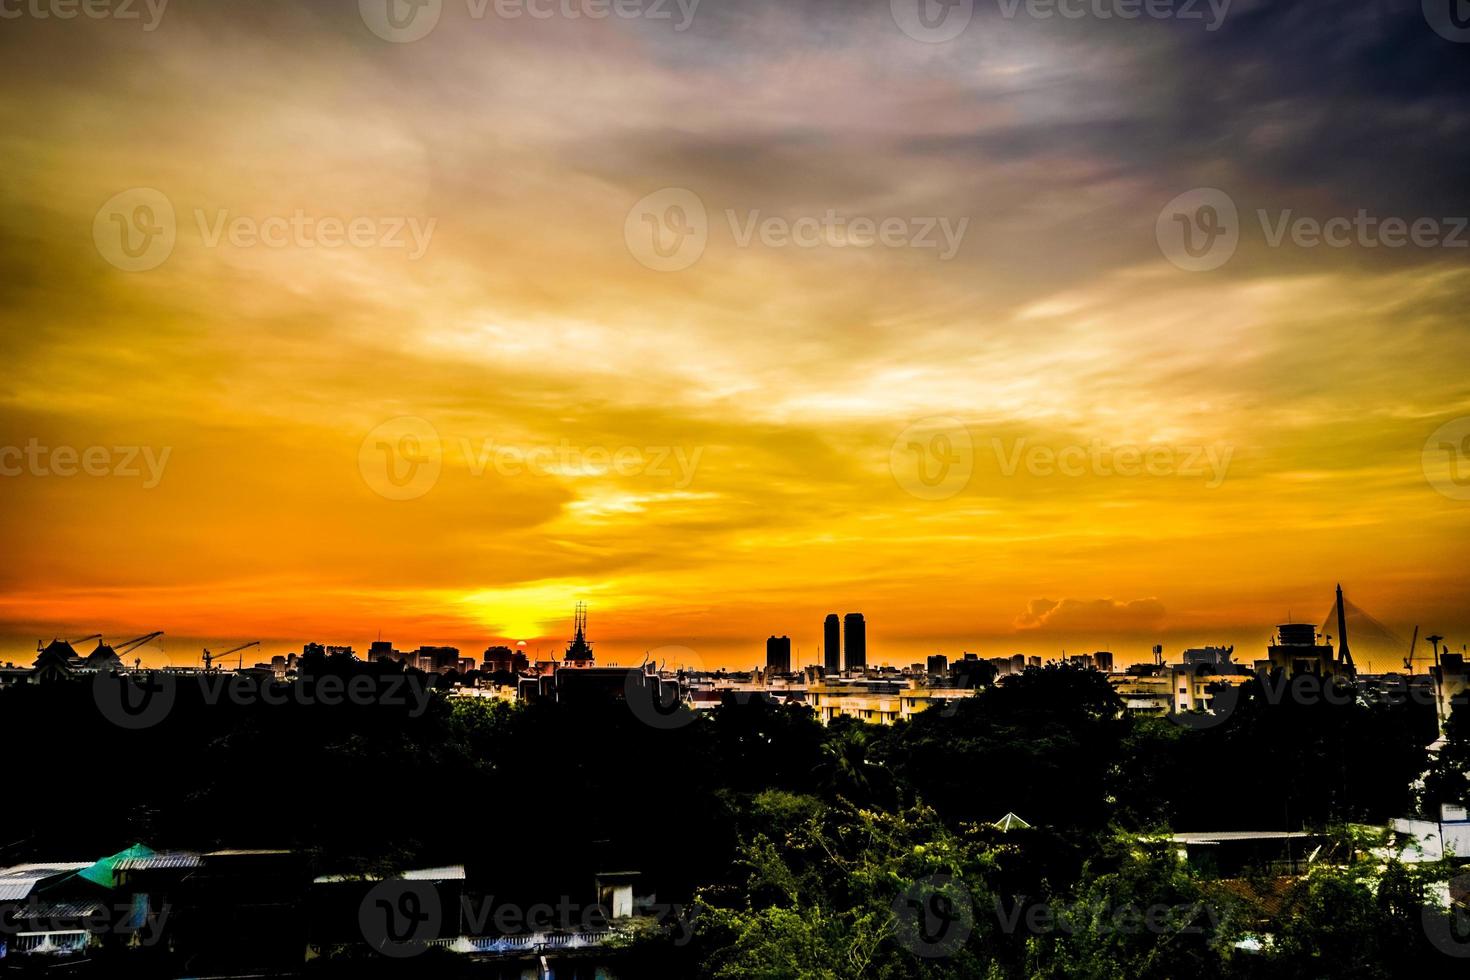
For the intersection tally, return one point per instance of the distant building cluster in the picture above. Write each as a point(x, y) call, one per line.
point(843, 684)
point(431, 660)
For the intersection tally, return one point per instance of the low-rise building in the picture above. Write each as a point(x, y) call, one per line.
point(879, 702)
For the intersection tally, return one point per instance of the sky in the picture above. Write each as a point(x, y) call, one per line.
point(1009, 330)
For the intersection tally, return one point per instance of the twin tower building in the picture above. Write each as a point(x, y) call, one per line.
point(844, 646)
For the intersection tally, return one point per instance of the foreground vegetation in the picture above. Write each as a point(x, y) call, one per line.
point(797, 850)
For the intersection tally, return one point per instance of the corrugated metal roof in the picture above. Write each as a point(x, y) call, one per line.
point(19, 881)
point(156, 862)
point(52, 911)
point(1202, 837)
point(44, 869)
point(452, 872)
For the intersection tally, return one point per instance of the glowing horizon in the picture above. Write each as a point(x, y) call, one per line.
point(497, 401)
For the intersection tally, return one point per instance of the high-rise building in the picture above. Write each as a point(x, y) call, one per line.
point(436, 659)
point(1104, 661)
point(778, 655)
point(832, 645)
point(938, 666)
point(503, 660)
point(855, 642)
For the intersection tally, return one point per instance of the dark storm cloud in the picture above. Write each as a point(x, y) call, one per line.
point(1343, 102)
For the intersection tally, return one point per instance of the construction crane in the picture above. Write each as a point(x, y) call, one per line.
point(127, 646)
point(1409, 660)
point(209, 658)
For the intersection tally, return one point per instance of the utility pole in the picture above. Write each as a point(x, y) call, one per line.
point(1438, 684)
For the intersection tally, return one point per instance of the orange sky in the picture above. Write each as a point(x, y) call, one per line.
point(709, 454)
